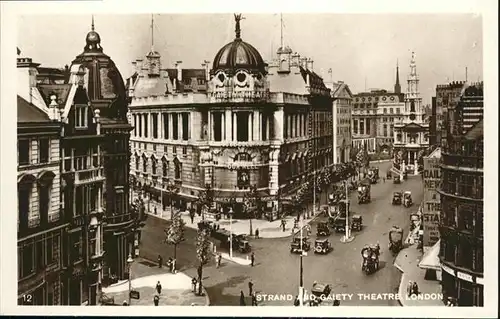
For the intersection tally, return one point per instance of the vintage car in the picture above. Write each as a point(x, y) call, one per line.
point(339, 224)
point(323, 229)
point(240, 242)
point(243, 246)
point(370, 256)
point(320, 292)
point(395, 239)
point(295, 245)
point(322, 246)
point(388, 175)
point(206, 224)
point(396, 179)
point(396, 198)
point(357, 222)
point(407, 201)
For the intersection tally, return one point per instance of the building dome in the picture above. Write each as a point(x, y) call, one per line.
point(104, 82)
point(238, 55)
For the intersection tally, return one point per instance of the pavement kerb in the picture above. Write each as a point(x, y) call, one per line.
point(205, 293)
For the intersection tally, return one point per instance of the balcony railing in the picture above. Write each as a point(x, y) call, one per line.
point(461, 161)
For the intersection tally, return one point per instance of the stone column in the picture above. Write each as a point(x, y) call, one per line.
point(228, 118)
point(235, 126)
point(256, 126)
point(159, 126)
point(170, 126)
point(250, 126)
point(210, 133)
point(179, 126)
point(278, 124)
point(268, 123)
point(150, 128)
point(289, 125)
point(189, 126)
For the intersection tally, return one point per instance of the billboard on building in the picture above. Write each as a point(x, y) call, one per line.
point(432, 202)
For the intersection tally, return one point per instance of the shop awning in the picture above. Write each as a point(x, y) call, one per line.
point(430, 260)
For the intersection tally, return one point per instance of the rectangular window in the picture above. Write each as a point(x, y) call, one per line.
point(264, 127)
point(242, 126)
point(140, 124)
point(185, 126)
point(385, 110)
point(76, 247)
point(398, 110)
point(44, 148)
point(39, 252)
point(361, 127)
point(50, 249)
point(217, 118)
point(175, 126)
point(154, 119)
point(23, 152)
point(27, 260)
point(146, 125)
point(81, 116)
point(184, 150)
point(165, 168)
point(165, 149)
point(391, 110)
point(385, 130)
point(165, 126)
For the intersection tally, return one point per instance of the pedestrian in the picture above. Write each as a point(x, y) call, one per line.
point(199, 271)
point(156, 212)
point(174, 261)
point(156, 300)
point(160, 261)
point(257, 233)
point(283, 223)
point(193, 284)
point(158, 287)
point(191, 214)
point(409, 288)
point(250, 287)
point(219, 260)
point(296, 302)
point(383, 179)
point(254, 299)
point(252, 258)
point(415, 288)
point(242, 298)
point(125, 303)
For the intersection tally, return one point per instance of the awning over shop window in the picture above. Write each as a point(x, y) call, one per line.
point(430, 260)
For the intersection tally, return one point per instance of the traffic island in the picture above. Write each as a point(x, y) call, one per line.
point(346, 240)
point(176, 290)
point(237, 260)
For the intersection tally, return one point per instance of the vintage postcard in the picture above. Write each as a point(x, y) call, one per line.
point(248, 163)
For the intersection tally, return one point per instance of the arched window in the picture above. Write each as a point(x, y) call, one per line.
point(137, 160)
point(178, 169)
point(164, 168)
point(153, 165)
point(144, 163)
point(24, 191)
point(44, 194)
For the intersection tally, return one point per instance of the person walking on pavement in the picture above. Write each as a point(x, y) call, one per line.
point(409, 288)
point(160, 261)
point(158, 287)
point(191, 215)
point(252, 258)
point(254, 299)
point(219, 259)
point(156, 300)
point(283, 223)
point(193, 284)
point(415, 288)
point(257, 233)
point(242, 298)
point(250, 287)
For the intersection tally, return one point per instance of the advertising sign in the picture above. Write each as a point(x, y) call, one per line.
point(432, 203)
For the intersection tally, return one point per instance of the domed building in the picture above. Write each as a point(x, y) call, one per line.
point(246, 129)
point(100, 229)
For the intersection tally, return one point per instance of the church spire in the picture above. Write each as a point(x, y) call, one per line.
point(397, 86)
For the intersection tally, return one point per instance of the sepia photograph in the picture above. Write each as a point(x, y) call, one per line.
point(248, 159)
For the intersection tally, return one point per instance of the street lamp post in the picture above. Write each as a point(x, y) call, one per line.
point(314, 192)
point(347, 237)
point(129, 263)
point(301, 274)
point(230, 232)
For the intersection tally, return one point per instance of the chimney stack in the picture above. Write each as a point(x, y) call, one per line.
point(206, 65)
point(309, 64)
point(295, 59)
point(178, 66)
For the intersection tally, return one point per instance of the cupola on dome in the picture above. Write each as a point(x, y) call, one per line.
point(238, 55)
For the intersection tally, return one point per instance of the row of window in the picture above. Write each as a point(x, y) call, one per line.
point(154, 166)
point(36, 253)
point(466, 293)
point(462, 253)
point(462, 215)
point(175, 126)
point(25, 191)
point(295, 125)
point(465, 148)
point(244, 122)
point(462, 184)
point(24, 156)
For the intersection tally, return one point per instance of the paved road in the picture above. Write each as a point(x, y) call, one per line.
point(277, 271)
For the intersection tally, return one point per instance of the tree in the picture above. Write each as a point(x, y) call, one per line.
point(203, 252)
point(174, 234)
point(171, 191)
point(206, 199)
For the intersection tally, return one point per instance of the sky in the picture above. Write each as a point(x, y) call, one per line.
point(361, 49)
